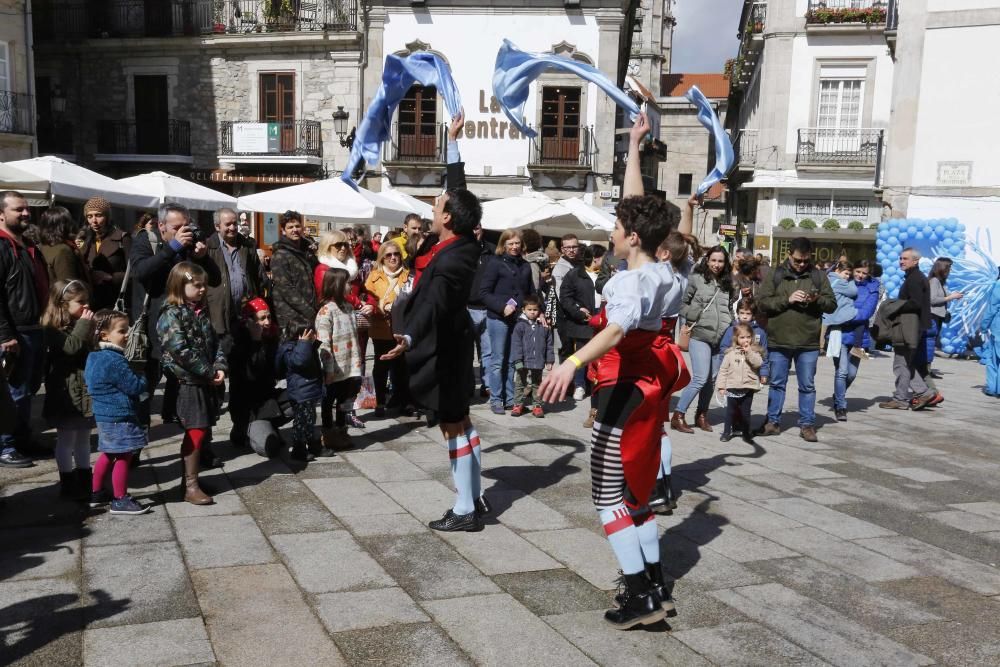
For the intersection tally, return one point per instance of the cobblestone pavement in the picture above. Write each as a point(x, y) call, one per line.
point(877, 545)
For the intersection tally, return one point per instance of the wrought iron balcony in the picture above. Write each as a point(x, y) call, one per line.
point(122, 139)
point(745, 148)
point(839, 148)
point(864, 12)
point(564, 152)
point(55, 137)
point(758, 16)
point(302, 138)
point(414, 144)
point(81, 19)
point(16, 113)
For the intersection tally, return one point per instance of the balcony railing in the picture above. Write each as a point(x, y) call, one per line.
point(16, 113)
point(564, 151)
point(745, 148)
point(892, 16)
point(129, 137)
point(80, 19)
point(823, 12)
point(758, 16)
point(837, 147)
point(55, 137)
point(410, 145)
point(286, 138)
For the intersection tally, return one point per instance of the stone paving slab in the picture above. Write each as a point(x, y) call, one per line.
point(222, 541)
point(843, 555)
point(367, 609)
point(414, 645)
point(352, 496)
point(163, 643)
point(33, 553)
point(828, 520)
point(583, 552)
point(745, 644)
point(499, 550)
point(42, 621)
point(977, 577)
point(330, 561)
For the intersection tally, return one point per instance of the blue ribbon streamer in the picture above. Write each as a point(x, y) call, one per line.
point(723, 146)
point(398, 76)
point(516, 69)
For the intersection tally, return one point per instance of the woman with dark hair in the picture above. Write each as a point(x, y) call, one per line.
point(57, 232)
point(105, 253)
point(940, 298)
point(707, 316)
point(854, 337)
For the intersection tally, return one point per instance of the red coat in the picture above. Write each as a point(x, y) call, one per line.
point(358, 296)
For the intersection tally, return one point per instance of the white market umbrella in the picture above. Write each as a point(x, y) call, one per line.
point(550, 217)
point(421, 208)
point(12, 178)
point(65, 179)
point(330, 198)
point(174, 189)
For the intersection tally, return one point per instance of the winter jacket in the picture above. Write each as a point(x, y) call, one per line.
point(65, 388)
point(865, 303)
point(559, 271)
point(149, 273)
point(337, 332)
point(706, 306)
point(904, 330)
point(505, 278)
point(486, 255)
point(577, 292)
point(107, 265)
point(189, 345)
point(298, 361)
point(223, 311)
point(845, 292)
point(759, 339)
point(358, 296)
point(292, 293)
point(64, 263)
point(531, 344)
point(113, 386)
point(377, 287)
point(794, 326)
point(24, 286)
point(916, 292)
point(740, 370)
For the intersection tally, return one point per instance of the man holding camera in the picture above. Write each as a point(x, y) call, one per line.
point(794, 297)
point(180, 240)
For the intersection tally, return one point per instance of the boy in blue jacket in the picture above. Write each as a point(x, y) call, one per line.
point(298, 361)
point(530, 352)
point(745, 315)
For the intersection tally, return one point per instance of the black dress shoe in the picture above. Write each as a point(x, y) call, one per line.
point(15, 459)
point(482, 506)
point(452, 522)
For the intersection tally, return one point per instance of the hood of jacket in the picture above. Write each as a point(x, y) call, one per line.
point(351, 265)
point(296, 247)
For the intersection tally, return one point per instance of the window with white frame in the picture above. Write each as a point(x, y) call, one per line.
point(7, 101)
point(4, 66)
point(841, 97)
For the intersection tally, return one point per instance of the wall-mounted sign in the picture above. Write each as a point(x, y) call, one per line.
point(255, 138)
point(270, 229)
point(222, 176)
point(954, 173)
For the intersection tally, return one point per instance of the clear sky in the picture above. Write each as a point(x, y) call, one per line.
point(705, 35)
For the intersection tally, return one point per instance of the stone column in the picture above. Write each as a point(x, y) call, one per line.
point(609, 23)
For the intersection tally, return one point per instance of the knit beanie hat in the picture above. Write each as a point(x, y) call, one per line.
point(98, 204)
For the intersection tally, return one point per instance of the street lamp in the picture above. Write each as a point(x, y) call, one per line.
point(340, 118)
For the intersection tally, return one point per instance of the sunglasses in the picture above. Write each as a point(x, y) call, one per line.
point(392, 254)
point(340, 245)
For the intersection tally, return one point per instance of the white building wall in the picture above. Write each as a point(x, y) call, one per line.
point(470, 43)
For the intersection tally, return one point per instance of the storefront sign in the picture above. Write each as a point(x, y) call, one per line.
point(954, 173)
point(255, 138)
point(222, 176)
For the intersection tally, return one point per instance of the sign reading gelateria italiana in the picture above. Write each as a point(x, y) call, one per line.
point(493, 128)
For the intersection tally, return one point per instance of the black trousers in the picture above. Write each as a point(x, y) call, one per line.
point(397, 370)
point(738, 413)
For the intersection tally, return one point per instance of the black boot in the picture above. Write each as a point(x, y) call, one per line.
point(69, 486)
point(659, 588)
point(638, 605)
point(668, 491)
point(663, 500)
point(84, 480)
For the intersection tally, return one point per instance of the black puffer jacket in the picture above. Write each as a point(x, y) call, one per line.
point(24, 286)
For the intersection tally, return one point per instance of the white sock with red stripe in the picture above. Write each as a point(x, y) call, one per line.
point(624, 537)
point(463, 464)
point(666, 455)
point(649, 537)
point(477, 455)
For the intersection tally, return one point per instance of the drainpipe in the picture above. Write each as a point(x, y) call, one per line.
point(29, 48)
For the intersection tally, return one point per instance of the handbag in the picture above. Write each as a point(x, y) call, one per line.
point(137, 344)
point(365, 400)
point(684, 334)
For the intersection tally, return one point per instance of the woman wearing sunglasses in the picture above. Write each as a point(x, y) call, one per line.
point(384, 284)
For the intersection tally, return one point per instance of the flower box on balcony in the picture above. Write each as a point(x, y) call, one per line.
point(825, 16)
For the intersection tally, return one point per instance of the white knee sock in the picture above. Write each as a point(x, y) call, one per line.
point(624, 537)
point(649, 537)
point(462, 467)
point(666, 455)
point(477, 455)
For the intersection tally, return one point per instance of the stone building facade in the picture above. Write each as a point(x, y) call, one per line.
point(17, 112)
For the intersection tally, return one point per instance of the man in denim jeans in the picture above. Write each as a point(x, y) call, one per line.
point(794, 298)
point(477, 310)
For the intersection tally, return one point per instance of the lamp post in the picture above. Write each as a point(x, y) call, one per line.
point(340, 118)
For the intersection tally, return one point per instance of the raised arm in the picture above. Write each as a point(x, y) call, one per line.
point(633, 175)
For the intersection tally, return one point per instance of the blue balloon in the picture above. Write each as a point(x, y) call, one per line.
point(911, 230)
point(897, 248)
point(892, 240)
point(949, 223)
point(960, 227)
point(919, 235)
point(939, 229)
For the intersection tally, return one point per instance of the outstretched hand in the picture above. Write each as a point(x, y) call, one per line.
point(640, 129)
point(457, 124)
point(396, 351)
point(557, 383)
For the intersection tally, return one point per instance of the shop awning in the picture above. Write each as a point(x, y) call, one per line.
point(421, 208)
point(330, 198)
point(174, 189)
point(66, 180)
point(550, 217)
point(12, 178)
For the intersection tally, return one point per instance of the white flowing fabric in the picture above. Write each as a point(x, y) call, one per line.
point(550, 217)
point(330, 198)
point(67, 180)
point(176, 190)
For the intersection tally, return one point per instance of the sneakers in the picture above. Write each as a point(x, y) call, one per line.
point(841, 415)
point(127, 505)
point(517, 411)
point(588, 423)
point(894, 405)
point(808, 433)
point(725, 437)
point(496, 408)
point(452, 522)
point(99, 498)
point(538, 412)
point(579, 394)
point(922, 401)
point(353, 421)
point(937, 400)
point(767, 429)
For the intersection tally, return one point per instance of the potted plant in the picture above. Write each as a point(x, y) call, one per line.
point(786, 223)
point(855, 225)
point(807, 223)
point(218, 24)
point(874, 225)
point(831, 225)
